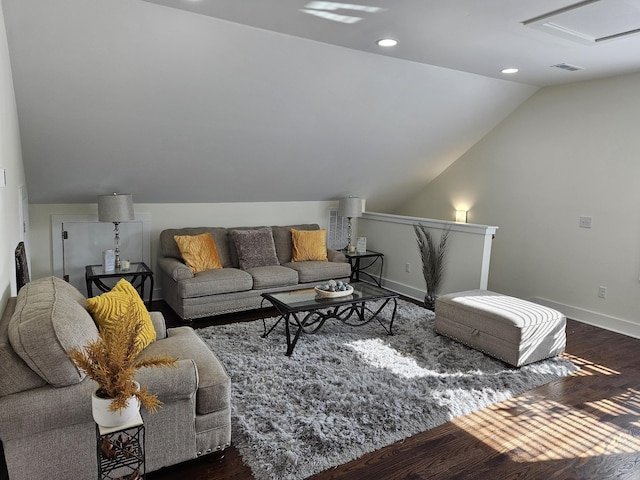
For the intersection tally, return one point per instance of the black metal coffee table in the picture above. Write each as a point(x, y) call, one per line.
point(306, 312)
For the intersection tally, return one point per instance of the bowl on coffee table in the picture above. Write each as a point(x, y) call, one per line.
point(333, 289)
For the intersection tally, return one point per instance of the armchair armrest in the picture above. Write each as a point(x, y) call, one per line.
point(159, 324)
point(171, 383)
point(174, 268)
point(335, 256)
point(46, 408)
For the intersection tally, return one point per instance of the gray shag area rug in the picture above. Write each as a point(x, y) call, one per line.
point(347, 391)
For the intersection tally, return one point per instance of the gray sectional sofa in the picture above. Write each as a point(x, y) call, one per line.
point(46, 426)
point(232, 289)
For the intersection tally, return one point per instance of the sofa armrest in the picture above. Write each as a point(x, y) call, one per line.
point(46, 408)
point(174, 268)
point(335, 256)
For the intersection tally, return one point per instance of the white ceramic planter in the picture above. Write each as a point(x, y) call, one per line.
point(106, 418)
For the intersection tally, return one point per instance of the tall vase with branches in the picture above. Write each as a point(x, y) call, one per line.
point(433, 261)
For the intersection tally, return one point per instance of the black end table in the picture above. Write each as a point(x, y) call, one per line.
point(137, 274)
point(371, 258)
point(121, 451)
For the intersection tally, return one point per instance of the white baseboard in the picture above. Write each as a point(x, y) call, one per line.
point(403, 289)
point(607, 322)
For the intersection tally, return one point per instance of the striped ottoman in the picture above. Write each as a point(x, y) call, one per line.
point(507, 328)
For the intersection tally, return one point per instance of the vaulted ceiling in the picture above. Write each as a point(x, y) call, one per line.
point(278, 100)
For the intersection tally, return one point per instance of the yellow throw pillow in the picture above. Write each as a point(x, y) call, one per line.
point(108, 308)
point(309, 245)
point(199, 252)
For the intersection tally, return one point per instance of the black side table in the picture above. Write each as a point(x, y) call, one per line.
point(137, 274)
point(371, 258)
point(120, 451)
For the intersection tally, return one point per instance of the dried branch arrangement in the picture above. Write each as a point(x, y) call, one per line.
point(111, 361)
point(433, 259)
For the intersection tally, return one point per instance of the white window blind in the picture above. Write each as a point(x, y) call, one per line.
point(336, 230)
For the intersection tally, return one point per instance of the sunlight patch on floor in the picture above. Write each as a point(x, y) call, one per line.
point(376, 353)
point(546, 430)
point(588, 368)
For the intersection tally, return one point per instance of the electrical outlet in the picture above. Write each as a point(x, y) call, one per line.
point(602, 292)
point(407, 267)
point(585, 222)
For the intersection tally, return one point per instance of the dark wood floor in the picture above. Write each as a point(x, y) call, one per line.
point(586, 426)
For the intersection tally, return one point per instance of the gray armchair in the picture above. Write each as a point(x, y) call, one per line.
point(46, 426)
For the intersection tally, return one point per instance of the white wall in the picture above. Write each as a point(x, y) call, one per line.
point(467, 258)
point(568, 151)
point(11, 162)
point(394, 236)
point(174, 216)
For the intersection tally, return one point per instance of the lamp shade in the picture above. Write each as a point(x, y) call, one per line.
point(115, 208)
point(350, 207)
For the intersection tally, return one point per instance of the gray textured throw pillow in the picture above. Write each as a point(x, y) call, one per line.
point(255, 248)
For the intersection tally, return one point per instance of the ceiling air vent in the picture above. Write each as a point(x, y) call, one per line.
point(567, 66)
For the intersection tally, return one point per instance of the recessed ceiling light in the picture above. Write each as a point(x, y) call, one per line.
point(509, 70)
point(387, 42)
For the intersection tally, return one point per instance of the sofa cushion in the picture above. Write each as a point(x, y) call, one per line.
point(212, 282)
point(50, 319)
point(317, 271)
point(107, 309)
point(309, 245)
point(199, 252)
point(15, 374)
point(273, 276)
point(214, 384)
point(255, 248)
point(283, 242)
